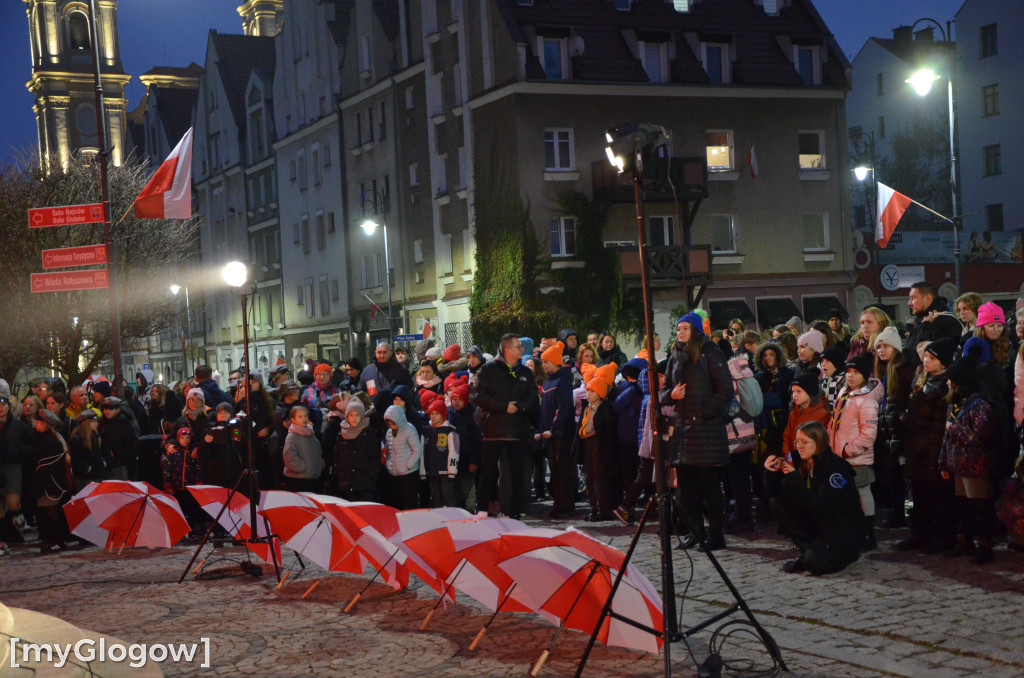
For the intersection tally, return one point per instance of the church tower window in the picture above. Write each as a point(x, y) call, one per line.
point(77, 24)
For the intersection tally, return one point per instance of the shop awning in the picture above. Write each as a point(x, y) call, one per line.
point(771, 312)
point(724, 311)
point(818, 308)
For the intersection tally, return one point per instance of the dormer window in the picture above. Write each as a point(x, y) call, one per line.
point(717, 64)
point(77, 27)
point(554, 57)
point(654, 58)
point(807, 61)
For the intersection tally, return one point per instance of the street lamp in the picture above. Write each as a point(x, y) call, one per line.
point(188, 322)
point(922, 81)
point(369, 226)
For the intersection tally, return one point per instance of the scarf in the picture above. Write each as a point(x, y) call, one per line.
point(350, 432)
point(587, 423)
point(300, 430)
point(427, 383)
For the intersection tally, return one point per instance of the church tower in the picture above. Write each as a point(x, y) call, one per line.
point(262, 17)
point(62, 80)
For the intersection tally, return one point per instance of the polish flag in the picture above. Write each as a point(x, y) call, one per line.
point(427, 330)
point(752, 161)
point(891, 206)
point(168, 195)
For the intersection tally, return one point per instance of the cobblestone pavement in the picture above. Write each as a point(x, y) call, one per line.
point(888, 614)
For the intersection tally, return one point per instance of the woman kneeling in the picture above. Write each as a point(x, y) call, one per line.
point(815, 501)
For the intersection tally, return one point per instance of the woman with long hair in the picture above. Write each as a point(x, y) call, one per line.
point(788, 342)
point(699, 385)
point(51, 481)
point(872, 321)
point(896, 373)
point(966, 306)
point(815, 503)
point(608, 351)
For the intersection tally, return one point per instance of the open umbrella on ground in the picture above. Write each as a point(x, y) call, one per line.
point(568, 575)
point(123, 513)
point(235, 518)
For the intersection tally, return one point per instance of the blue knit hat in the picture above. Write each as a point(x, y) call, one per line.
point(979, 348)
point(695, 321)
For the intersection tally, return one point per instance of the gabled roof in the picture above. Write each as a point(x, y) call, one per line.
point(759, 39)
point(913, 51)
point(237, 57)
point(193, 70)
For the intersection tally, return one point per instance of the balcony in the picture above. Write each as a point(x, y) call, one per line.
point(689, 175)
point(667, 266)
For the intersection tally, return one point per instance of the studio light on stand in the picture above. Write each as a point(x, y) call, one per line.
point(630, 148)
point(236, 275)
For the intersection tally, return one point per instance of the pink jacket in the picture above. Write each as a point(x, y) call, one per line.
point(854, 424)
point(1018, 390)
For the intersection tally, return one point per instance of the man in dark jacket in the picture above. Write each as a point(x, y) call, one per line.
point(118, 442)
point(625, 402)
point(383, 374)
point(699, 385)
point(506, 391)
point(205, 381)
point(557, 426)
point(932, 320)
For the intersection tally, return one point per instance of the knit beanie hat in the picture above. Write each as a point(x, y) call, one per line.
point(979, 347)
point(863, 363)
point(453, 352)
point(196, 393)
point(461, 392)
point(438, 405)
point(587, 371)
point(814, 340)
point(835, 355)
point(696, 322)
point(964, 370)
point(607, 372)
point(794, 322)
point(835, 313)
point(257, 376)
point(477, 351)
point(890, 337)
point(434, 352)
point(102, 387)
point(943, 350)
point(990, 313)
point(322, 368)
point(553, 354)
point(808, 381)
point(427, 397)
point(355, 364)
point(599, 386)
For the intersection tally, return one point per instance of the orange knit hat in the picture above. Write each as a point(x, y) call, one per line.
point(599, 385)
point(554, 353)
point(588, 370)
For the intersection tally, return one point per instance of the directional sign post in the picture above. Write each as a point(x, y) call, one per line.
point(408, 337)
point(65, 281)
point(67, 215)
point(74, 256)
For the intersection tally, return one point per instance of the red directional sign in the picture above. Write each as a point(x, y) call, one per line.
point(64, 281)
point(68, 215)
point(74, 256)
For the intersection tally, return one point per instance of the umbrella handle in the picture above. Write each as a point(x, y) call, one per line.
point(426, 620)
point(281, 583)
point(199, 566)
point(353, 603)
point(540, 662)
point(310, 589)
point(479, 637)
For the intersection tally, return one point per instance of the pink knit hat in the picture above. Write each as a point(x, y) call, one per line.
point(990, 313)
point(814, 340)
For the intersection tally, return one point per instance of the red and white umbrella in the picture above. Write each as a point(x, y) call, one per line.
point(568, 575)
point(304, 525)
point(125, 513)
point(235, 518)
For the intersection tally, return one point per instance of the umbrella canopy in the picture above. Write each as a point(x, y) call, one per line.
point(569, 576)
point(235, 519)
point(124, 513)
point(304, 525)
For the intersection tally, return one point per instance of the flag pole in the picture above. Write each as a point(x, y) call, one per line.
point(956, 241)
point(940, 216)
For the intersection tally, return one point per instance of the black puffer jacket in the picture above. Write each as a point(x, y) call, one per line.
point(892, 416)
point(700, 437)
point(926, 420)
point(496, 387)
point(118, 442)
point(775, 387)
point(945, 325)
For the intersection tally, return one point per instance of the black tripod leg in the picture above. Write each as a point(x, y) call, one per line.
point(215, 522)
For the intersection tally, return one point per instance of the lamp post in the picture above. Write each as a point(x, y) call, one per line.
point(370, 227)
point(188, 323)
point(922, 81)
point(861, 173)
point(235, 274)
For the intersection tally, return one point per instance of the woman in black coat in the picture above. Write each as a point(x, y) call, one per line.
point(356, 456)
point(699, 385)
point(816, 503)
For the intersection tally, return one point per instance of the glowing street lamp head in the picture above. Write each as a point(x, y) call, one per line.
point(922, 81)
point(234, 273)
point(369, 226)
point(861, 172)
point(175, 289)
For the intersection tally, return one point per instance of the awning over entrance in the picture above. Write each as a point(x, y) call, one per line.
point(771, 312)
point(724, 311)
point(819, 308)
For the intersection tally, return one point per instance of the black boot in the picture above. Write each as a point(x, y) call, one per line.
point(716, 540)
point(982, 554)
point(870, 543)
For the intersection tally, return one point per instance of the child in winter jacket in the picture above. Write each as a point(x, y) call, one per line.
point(182, 467)
point(404, 451)
point(356, 455)
point(471, 443)
point(441, 456)
point(598, 439)
point(303, 456)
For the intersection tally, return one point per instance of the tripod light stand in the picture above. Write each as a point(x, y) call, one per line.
point(236, 274)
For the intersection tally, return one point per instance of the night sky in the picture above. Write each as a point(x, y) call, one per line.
point(174, 32)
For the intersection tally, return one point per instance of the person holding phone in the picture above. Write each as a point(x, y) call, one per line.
point(815, 501)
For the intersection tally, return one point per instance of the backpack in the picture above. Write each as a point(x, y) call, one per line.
point(749, 399)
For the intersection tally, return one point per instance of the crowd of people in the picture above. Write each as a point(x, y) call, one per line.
point(823, 430)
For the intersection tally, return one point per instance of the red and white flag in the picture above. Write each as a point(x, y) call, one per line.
point(890, 208)
point(427, 330)
point(168, 195)
point(752, 161)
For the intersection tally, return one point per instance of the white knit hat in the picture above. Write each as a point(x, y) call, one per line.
point(814, 340)
point(890, 337)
